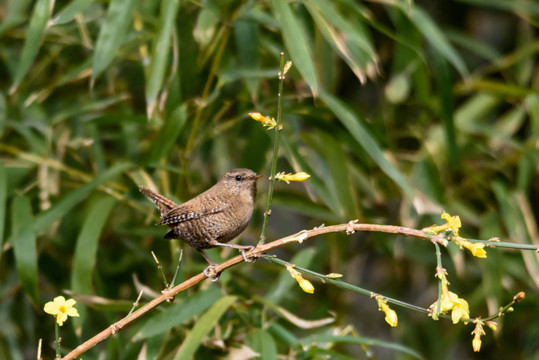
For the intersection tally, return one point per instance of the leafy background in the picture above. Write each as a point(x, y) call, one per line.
point(398, 110)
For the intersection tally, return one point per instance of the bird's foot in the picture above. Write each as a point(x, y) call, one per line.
point(245, 258)
point(212, 273)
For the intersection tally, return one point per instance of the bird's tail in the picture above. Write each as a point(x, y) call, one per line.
point(162, 203)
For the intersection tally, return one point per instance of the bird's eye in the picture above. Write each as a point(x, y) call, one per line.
point(238, 177)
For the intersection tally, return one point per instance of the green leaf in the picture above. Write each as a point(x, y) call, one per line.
point(23, 240)
point(296, 43)
point(349, 39)
point(86, 248)
point(15, 14)
point(358, 340)
point(168, 135)
point(160, 52)
point(352, 122)
point(292, 154)
point(178, 312)
point(203, 326)
point(434, 35)
point(112, 33)
point(262, 342)
point(338, 180)
point(532, 104)
point(447, 107)
point(45, 219)
point(34, 37)
point(246, 34)
point(67, 14)
point(3, 197)
point(471, 113)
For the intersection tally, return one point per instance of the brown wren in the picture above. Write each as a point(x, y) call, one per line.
point(214, 217)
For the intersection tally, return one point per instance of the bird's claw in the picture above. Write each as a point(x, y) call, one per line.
point(245, 258)
point(211, 273)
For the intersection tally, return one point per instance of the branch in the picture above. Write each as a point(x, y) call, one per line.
point(301, 236)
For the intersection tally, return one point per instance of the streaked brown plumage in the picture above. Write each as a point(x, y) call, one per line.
point(214, 217)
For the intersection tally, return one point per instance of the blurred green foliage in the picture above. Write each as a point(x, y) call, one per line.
point(397, 109)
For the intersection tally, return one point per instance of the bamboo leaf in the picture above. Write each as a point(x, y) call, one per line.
point(86, 248)
point(296, 43)
point(15, 14)
point(67, 14)
point(264, 344)
point(179, 312)
point(367, 142)
point(338, 180)
point(23, 240)
point(112, 33)
point(160, 52)
point(3, 197)
point(46, 219)
point(203, 326)
point(360, 340)
point(168, 135)
point(350, 41)
point(34, 37)
point(435, 36)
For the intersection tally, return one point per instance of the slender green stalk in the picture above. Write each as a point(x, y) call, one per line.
point(275, 150)
point(57, 343)
point(501, 244)
point(344, 284)
point(439, 266)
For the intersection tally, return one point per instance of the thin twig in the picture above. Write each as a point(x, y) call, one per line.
point(277, 130)
point(135, 304)
point(160, 268)
point(177, 268)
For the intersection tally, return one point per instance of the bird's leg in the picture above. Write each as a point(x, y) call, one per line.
point(241, 248)
point(210, 270)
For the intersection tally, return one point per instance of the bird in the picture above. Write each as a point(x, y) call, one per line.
point(212, 218)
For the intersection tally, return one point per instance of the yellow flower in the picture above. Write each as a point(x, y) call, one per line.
point(449, 301)
point(265, 120)
point(477, 332)
point(476, 248)
point(452, 222)
point(61, 309)
point(301, 176)
point(303, 283)
point(391, 316)
point(476, 342)
point(460, 309)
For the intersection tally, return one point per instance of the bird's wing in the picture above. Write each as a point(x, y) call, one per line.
point(163, 204)
point(188, 212)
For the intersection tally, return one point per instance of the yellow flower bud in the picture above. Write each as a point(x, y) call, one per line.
point(267, 121)
point(300, 176)
point(303, 283)
point(334, 276)
point(391, 316)
point(476, 342)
